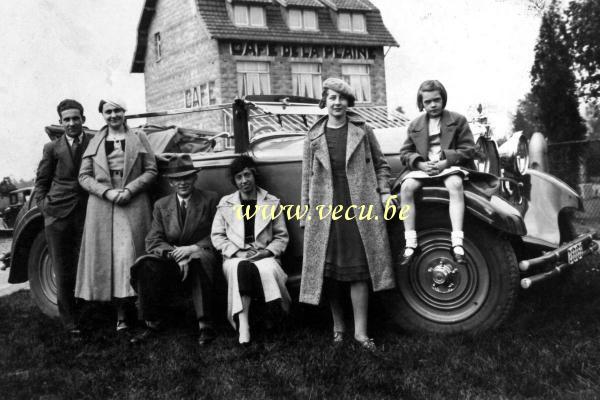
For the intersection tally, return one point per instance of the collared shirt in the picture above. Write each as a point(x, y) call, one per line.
point(181, 199)
point(70, 139)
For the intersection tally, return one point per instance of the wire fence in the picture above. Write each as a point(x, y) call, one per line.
point(587, 156)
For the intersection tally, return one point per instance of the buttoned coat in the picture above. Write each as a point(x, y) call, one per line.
point(57, 190)
point(228, 226)
point(167, 232)
point(368, 173)
point(270, 233)
point(458, 147)
point(94, 272)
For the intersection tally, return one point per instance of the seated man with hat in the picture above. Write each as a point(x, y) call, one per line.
point(180, 253)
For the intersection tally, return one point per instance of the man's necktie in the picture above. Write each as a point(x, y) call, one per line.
point(75, 147)
point(183, 210)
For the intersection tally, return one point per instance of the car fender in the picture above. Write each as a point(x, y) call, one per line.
point(495, 212)
point(549, 197)
point(26, 229)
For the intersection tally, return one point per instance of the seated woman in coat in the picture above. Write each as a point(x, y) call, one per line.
point(251, 244)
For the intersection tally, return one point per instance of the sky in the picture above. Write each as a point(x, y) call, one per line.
point(482, 50)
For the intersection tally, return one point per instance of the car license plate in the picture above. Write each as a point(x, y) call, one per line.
point(574, 253)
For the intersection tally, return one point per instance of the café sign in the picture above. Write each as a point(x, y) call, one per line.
point(250, 48)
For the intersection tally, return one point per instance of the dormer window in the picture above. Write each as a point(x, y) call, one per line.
point(302, 20)
point(352, 22)
point(250, 16)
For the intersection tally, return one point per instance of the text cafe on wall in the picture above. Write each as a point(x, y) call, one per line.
point(210, 51)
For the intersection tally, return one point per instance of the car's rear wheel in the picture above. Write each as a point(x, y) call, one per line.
point(437, 295)
point(42, 280)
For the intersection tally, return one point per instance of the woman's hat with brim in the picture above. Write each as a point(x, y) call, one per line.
point(179, 166)
point(339, 86)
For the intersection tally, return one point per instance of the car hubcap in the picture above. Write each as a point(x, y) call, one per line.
point(47, 277)
point(438, 288)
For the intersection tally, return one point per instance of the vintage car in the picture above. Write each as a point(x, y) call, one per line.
point(514, 239)
point(17, 199)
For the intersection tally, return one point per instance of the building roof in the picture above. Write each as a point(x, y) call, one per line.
point(301, 3)
point(219, 25)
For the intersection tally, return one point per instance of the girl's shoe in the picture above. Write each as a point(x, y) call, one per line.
point(338, 337)
point(122, 325)
point(405, 260)
point(459, 258)
point(366, 343)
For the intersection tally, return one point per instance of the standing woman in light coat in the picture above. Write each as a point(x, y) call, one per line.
point(343, 165)
point(117, 169)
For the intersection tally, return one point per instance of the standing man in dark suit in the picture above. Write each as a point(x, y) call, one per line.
point(180, 253)
point(62, 202)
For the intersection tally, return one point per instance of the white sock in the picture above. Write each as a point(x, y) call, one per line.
point(457, 242)
point(411, 242)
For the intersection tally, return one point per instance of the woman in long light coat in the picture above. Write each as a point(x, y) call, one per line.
point(343, 165)
point(117, 168)
point(251, 246)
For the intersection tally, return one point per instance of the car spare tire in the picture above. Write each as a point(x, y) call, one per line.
point(42, 280)
point(436, 295)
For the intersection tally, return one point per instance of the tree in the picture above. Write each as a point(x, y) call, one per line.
point(526, 118)
point(583, 21)
point(554, 93)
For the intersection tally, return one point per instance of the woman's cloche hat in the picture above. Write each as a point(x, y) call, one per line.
point(179, 166)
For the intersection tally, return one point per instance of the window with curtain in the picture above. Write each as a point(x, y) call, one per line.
point(253, 78)
point(306, 80)
point(251, 16)
point(352, 22)
point(305, 20)
point(357, 76)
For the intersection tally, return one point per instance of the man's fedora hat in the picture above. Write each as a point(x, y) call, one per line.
point(178, 166)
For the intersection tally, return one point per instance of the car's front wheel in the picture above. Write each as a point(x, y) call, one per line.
point(437, 295)
point(42, 280)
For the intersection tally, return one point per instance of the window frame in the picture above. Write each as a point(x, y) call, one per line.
point(302, 14)
point(239, 71)
point(351, 20)
point(248, 14)
point(347, 77)
point(315, 78)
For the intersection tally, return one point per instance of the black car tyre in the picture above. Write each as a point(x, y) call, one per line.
point(42, 282)
point(436, 295)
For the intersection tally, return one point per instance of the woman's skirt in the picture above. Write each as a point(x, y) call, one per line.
point(123, 249)
point(423, 176)
point(273, 281)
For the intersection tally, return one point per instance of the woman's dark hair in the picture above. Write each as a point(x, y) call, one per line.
point(69, 104)
point(431, 86)
point(323, 102)
point(239, 164)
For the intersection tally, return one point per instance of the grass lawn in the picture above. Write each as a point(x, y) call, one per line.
point(550, 349)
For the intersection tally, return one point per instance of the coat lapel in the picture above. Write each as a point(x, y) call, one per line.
point(318, 143)
point(133, 147)
point(448, 128)
point(355, 137)
point(194, 212)
point(420, 135)
point(64, 152)
point(172, 217)
point(263, 218)
point(97, 151)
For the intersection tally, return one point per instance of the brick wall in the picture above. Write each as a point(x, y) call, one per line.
point(189, 59)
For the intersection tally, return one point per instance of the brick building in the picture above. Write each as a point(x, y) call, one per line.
point(202, 52)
